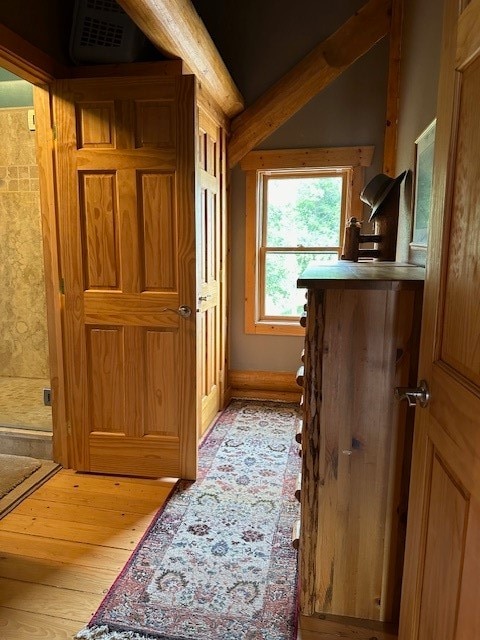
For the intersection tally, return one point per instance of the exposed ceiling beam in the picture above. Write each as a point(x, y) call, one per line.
point(393, 90)
point(176, 29)
point(312, 74)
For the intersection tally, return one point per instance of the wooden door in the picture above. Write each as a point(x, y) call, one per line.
point(125, 161)
point(211, 301)
point(441, 590)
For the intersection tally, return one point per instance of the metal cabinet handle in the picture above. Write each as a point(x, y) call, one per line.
point(414, 395)
point(183, 311)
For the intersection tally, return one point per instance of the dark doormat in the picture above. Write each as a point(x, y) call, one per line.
point(19, 476)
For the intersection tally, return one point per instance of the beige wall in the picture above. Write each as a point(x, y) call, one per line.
point(350, 112)
point(23, 326)
point(418, 96)
point(260, 41)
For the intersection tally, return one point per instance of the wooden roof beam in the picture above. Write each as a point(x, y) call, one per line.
point(176, 29)
point(316, 71)
point(393, 90)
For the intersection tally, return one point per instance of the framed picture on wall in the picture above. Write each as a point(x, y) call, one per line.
point(422, 194)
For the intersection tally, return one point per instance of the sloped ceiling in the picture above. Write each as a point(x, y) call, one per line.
point(177, 30)
point(175, 27)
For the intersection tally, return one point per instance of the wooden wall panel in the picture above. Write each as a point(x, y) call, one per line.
point(157, 198)
point(444, 555)
point(155, 125)
point(96, 125)
point(105, 362)
point(99, 226)
point(161, 391)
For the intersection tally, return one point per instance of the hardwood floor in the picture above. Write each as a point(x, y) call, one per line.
point(63, 546)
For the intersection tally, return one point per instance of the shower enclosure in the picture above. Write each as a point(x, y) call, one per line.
point(24, 370)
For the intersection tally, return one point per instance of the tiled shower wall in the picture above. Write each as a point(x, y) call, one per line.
point(23, 326)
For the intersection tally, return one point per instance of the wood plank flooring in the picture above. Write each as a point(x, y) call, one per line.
point(63, 546)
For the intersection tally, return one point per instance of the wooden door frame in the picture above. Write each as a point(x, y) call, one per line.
point(31, 64)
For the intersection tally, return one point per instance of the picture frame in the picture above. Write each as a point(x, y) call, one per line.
point(422, 188)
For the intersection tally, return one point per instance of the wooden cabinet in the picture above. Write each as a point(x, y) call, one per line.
point(361, 342)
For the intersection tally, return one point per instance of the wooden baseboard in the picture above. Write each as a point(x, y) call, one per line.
point(332, 627)
point(264, 385)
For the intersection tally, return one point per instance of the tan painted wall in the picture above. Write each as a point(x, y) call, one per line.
point(418, 96)
point(260, 41)
point(23, 325)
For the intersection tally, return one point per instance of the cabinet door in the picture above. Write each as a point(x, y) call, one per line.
point(125, 167)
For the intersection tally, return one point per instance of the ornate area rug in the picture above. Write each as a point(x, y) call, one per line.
point(217, 562)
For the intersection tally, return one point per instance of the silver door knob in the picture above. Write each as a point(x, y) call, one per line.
point(183, 311)
point(414, 395)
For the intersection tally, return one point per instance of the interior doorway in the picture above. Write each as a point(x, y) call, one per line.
point(24, 362)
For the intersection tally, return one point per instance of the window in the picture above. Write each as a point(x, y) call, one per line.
point(297, 205)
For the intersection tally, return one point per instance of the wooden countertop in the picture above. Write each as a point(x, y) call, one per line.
point(362, 275)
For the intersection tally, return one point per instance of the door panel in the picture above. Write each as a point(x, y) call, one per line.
point(158, 231)
point(441, 590)
point(212, 218)
point(444, 550)
point(461, 349)
point(99, 222)
point(126, 160)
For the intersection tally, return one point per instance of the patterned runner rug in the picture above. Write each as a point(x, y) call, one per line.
point(217, 562)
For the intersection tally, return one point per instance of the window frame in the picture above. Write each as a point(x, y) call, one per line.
point(350, 161)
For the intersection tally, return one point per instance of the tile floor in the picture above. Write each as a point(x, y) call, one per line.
point(21, 404)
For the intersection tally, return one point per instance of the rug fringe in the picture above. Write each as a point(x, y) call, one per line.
point(104, 633)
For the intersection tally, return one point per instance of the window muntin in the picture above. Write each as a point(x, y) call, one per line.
point(302, 217)
point(266, 251)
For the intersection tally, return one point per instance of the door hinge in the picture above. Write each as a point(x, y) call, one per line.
point(69, 428)
point(54, 131)
point(61, 286)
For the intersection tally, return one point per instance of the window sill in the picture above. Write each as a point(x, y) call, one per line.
point(275, 328)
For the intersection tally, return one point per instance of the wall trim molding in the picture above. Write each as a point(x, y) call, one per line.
point(264, 385)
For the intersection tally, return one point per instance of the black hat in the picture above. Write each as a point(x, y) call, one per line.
point(375, 192)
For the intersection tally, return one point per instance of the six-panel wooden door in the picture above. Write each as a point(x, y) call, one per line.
point(441, 589)
point(125, 162)
point(212, 239)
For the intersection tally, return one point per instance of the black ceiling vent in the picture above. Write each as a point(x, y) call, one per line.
point(103, 33)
